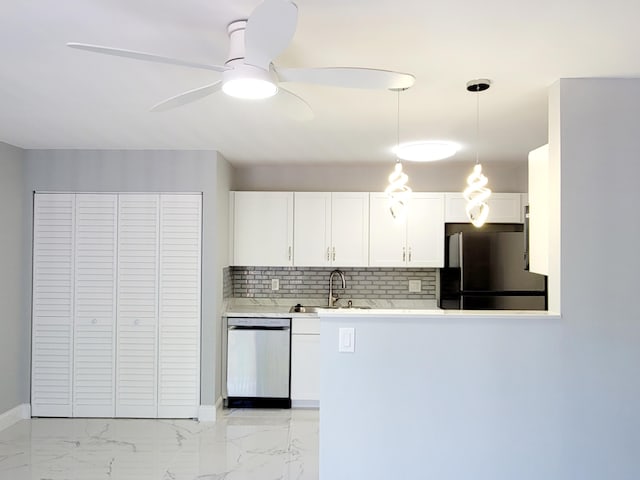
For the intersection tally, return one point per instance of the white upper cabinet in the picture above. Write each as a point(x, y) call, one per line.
point(350, 229)
point(425, 230)
point(331, 229)
point(539, 210)
point(312, 229)
point(416, 242)
point(503, 208)
point(262, 228)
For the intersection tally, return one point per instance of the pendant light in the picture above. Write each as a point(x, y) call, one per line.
point(476, 193)
point(398, 191)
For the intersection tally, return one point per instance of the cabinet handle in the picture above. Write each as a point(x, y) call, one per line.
point(409, 253)
point(289, 253)
point(404, 254)
point(328, 257)
point(334, 254)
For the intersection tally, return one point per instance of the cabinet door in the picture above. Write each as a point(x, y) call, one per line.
point(305, 370)
point(312, 229)
point(95, 302)
point(52, 310)
point(387, 240)
point(503, 208)
point(350, 229)
point(137, 317)
point(539, 210)
point(425, 230)
point(179, 313)
point(263, 228)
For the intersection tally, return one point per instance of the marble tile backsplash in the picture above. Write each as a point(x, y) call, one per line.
point(313, 282)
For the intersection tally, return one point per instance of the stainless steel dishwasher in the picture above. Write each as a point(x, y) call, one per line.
point(258, 362)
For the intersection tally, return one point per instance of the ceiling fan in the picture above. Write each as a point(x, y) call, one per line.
point(249, 71)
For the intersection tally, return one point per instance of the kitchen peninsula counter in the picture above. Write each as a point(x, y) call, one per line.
point(450, 388)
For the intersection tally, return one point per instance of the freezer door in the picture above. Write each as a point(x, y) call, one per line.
point(258, 362)
point(493, 261)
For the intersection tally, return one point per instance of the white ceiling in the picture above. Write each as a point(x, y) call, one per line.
point(52, 96)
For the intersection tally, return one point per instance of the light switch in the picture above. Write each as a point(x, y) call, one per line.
point(347, 340)
point(415, 286)
point(275, 284)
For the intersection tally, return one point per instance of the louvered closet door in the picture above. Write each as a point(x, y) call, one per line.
point(180, 255)
point(52, 311)
point(136, 346)
point(95, 305)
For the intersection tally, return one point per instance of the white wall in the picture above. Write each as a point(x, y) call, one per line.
point(147, 171)
point(14, 332)
point(502, 399)
point(447, 176)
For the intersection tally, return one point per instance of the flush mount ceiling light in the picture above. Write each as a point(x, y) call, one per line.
point(476, 192)
point(398, 191)
point(426, 151)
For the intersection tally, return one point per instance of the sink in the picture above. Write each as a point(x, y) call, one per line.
point(315, 308)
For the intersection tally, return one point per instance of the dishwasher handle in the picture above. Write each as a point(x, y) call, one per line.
point(256, 327)
point(262, 323)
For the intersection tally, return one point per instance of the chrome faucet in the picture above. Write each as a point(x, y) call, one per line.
point(333, 297)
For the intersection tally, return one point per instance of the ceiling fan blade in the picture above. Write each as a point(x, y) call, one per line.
point(293, 106)
point(351, 77)
point(148, 57)
point(187, 97)
point(269, 31)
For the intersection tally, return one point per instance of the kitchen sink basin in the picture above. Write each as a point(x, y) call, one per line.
point(315, 308)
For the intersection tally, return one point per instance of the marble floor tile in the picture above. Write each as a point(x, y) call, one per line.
point(241, 445)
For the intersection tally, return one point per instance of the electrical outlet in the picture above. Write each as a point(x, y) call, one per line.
point(415, 286)
point(275, 284)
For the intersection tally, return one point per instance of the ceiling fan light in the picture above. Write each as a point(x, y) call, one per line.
point(249, 88)
point(249, 82)
point(426, 151)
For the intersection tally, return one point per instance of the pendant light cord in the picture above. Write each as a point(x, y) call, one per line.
point(398, 127)
point(477, 127)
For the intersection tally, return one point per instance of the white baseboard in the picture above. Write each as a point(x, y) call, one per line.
point(21, 412)
point(210, 413)
point(207, 413)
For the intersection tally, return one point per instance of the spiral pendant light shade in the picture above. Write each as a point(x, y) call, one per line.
point(398, 191)
point(476, 194)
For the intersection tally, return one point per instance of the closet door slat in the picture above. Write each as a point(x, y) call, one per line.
point(179, 314)
point(52, 308)
point(137, 318)
point(95, 305)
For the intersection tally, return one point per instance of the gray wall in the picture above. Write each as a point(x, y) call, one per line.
point(14, 332)
point(503, 398)
point(223, 185)
point(148, 171)
point(444, 176)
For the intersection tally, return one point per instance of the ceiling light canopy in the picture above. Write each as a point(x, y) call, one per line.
point(426, 151)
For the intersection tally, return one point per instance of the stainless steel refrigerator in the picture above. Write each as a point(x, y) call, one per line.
point(486, 271)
